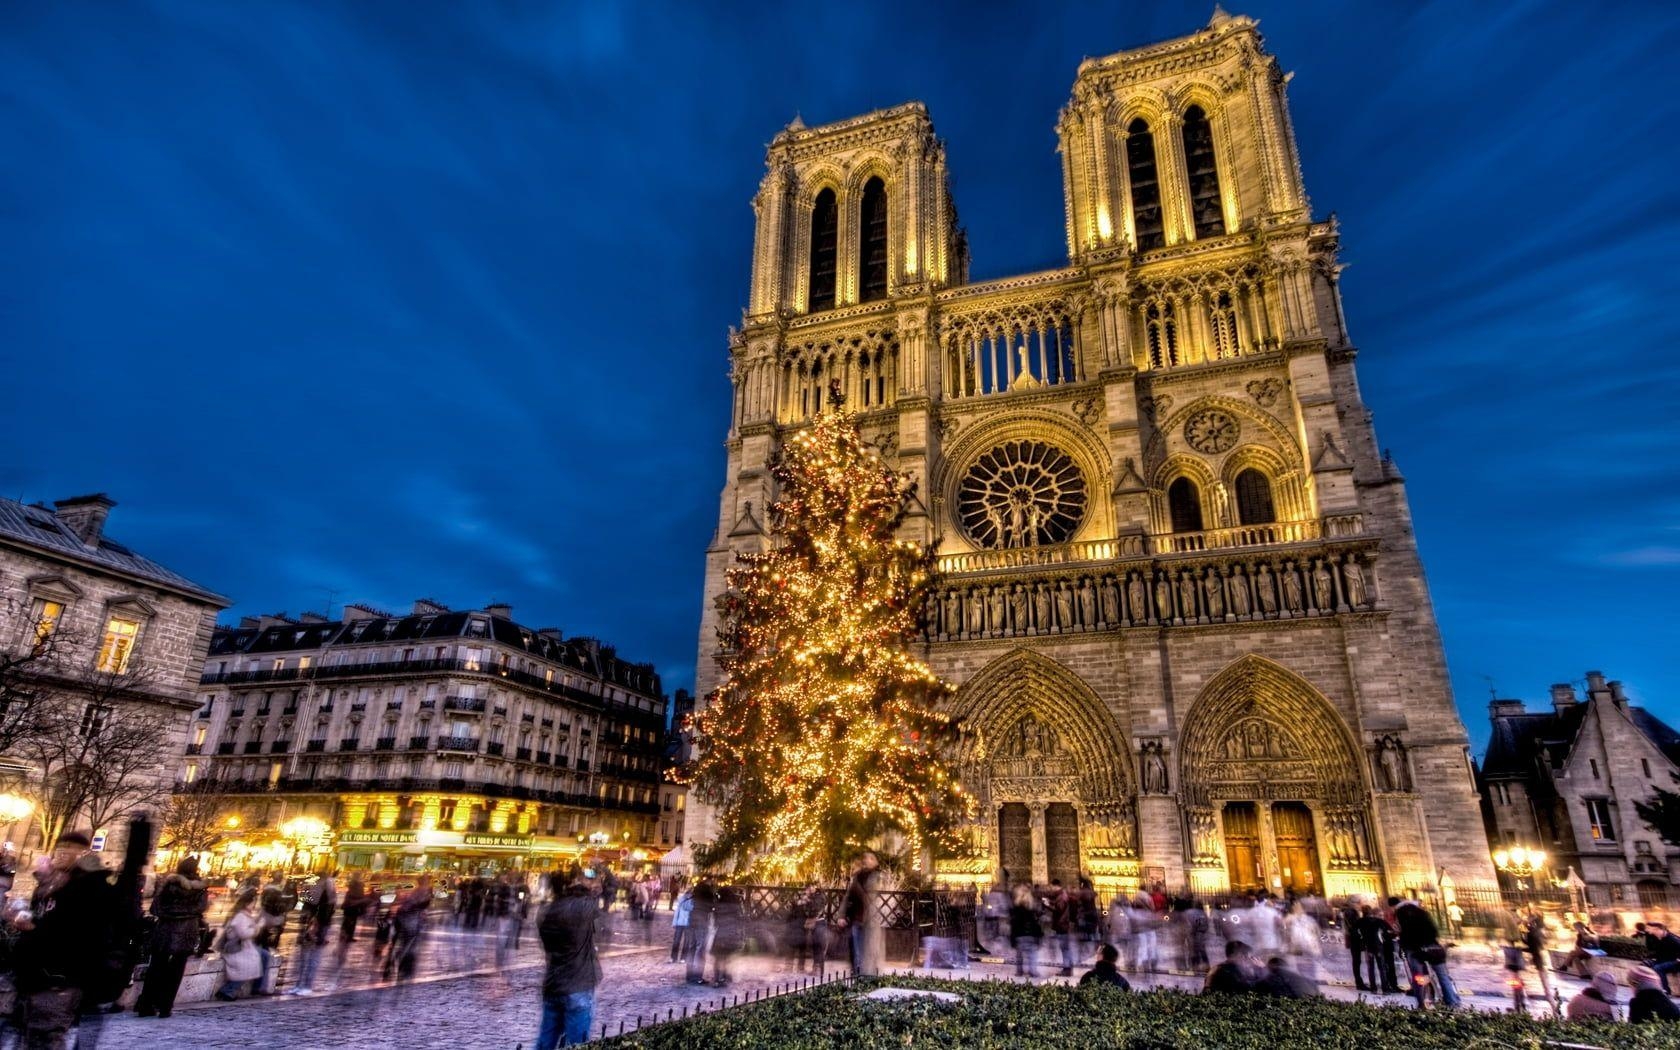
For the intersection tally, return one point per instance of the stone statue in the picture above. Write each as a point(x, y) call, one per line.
point(1213, 588)
point(1154, 769)
point(1017, 522)
point(1064, 605)
point(1323, 595)
point(998, 600)
point(1361, 843)
point(1187, 594)
point(1239, 593)
point(1391, 764)
point(1021, 618)
point(1110, 602)
point(1087, 602)
point(1291, 588)
point(1163, 597)
point(1341, 842)
point(1034, 739)
point(1266, 592)
point(1137, 596)
point(953, 614)
point(1041, 606)
point(994, 514)
point(1034, 515)
point(976, 612)
point(1354, 579)
point(1204, 836)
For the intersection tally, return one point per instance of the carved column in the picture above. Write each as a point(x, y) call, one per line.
point(1271, 877)
point(1040, 845)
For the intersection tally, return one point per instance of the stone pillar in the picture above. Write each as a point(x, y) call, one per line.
point(1270, 875)
point(1161, 838)
point(1040, 848)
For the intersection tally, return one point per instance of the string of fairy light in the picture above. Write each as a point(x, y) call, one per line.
point(827, 732)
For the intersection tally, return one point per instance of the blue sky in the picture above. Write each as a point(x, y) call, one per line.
point(381, 300)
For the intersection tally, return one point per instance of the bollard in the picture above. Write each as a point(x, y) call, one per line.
point(638, 1021)
point(603, 1029)
point(621, 1026)
point(685, 1013)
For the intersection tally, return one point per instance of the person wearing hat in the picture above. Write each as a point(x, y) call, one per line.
point(1597, 1001)
point(65, 940)
point(178, 905)
point(1648, 1002)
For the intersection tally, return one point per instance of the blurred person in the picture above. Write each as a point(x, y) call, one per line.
point(1235, 975)
point(1420, 942)
point(861, 918)
point(1025, 931)
point(244, 960)
point(1301, 943)
point(357, 900)
point(703, 909)
point(1664, 948)
point(178, 904)
point(1145, 941)
point(681, 940)
point(320, 904)
point(1649, 1002)
point(408, 927)
point(1281, 982)
point(567, 930)
point(1060, 907)
point(65, 938)
point(1354, 941)
point(1586, 947)
point(1597, 1001)
point(728, 934)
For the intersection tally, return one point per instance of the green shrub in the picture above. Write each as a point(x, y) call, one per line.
point(1006, 1016)
point(1624, 948)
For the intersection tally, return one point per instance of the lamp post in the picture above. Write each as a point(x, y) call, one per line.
point(1521, 863)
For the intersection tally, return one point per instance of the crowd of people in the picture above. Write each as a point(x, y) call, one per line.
point(84, 933)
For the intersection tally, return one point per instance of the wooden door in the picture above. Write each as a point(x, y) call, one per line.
point(1242, 846)
point(1015, 842)
point(1061, 842)
point(1297, 847)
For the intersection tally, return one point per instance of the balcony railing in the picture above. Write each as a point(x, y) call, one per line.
point(457, 743)
point(419, 743)
point(543, 757)
point(316, 745)
point(1056, 554)
point(279, 747)
point(194, 749)
point(253, 747)
point(522, 754)
point(494, 748)
point(463, 703)
point(385, 743)
point(348, 745)
point(1239, 536)
point(225, 748)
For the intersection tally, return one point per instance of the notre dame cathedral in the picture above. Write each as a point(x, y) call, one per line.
point(1179, 593)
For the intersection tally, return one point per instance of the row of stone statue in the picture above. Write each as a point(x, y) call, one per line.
point(1346, 837)
point(1208, 594)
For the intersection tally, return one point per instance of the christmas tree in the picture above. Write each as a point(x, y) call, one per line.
point(826, 735)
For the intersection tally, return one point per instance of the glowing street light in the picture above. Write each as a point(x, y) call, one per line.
point(14, 808)
point(1519, 862)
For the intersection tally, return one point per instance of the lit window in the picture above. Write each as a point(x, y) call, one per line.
point(1602, 819)
point(192, 772)
point(280, 664)
point(44, 617)
point(274, 770)
point(118, 645)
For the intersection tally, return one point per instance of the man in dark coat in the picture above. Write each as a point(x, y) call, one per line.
point(178, 905)
point(1106, 972)
point(65, 943)
point(1355, 942)
point(1234, 975)
point(1420, 942)
point(567, 929)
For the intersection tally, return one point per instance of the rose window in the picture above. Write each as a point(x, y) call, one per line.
point(1021, 494)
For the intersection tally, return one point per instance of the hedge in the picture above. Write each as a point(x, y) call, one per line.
point(1008, 1016)
point(1624, 948)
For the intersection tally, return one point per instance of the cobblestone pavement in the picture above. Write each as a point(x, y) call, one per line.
point(461, 1001)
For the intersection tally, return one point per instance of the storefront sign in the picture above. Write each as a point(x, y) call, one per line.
point(502, 841)
point(377, 838)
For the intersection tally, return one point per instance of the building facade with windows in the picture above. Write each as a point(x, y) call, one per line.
point(437, 740)
point(1565, 781)
point(1180, 593)
point(105, 635)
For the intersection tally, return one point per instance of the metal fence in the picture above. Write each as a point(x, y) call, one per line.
point(905, 916)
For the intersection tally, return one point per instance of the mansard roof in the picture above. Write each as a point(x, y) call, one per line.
point(39, 528)
point(586, 654)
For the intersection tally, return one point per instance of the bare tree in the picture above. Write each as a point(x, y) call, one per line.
point(194, 819)
point(96, 752)
point(29, 679)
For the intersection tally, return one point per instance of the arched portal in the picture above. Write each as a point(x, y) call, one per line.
point(1272, 788)
point(1052, 774)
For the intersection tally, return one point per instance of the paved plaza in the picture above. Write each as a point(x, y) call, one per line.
point(461, 999)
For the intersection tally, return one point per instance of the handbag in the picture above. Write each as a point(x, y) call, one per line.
point(205, 937)
point(1433, 954)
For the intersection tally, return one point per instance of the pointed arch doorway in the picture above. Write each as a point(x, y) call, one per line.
point(1272, 788)
point(1052, 777)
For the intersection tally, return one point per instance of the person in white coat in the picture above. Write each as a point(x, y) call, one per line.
point(242, 959)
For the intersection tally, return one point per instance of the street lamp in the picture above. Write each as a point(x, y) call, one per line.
point(301, 830)
point(1520, 863)
point(14, 808)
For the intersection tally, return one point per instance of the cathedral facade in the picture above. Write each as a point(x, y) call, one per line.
point(1179, 591)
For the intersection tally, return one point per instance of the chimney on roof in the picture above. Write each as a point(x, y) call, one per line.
point(1563, 696)
point(85, 515)
point(311, 617)
point(246, 622)
point(1505, 708)
point(1617, 695)
point(1596, 689)
point(501, 610)
point(428, 607)
point(362, 612)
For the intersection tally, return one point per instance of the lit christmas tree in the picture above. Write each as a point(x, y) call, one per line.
point(825, 735)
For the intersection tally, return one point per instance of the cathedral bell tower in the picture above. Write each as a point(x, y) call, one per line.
point(1178, 586)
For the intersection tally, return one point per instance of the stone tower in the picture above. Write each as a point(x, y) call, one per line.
point(1180, 592)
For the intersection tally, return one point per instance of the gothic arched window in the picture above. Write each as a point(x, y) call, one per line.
point(1206, 213)
point(825, 243)
point(1184, 503)
point(1146, 186)
point(1222, 314)
point(1254, 498)
point(872, 250)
